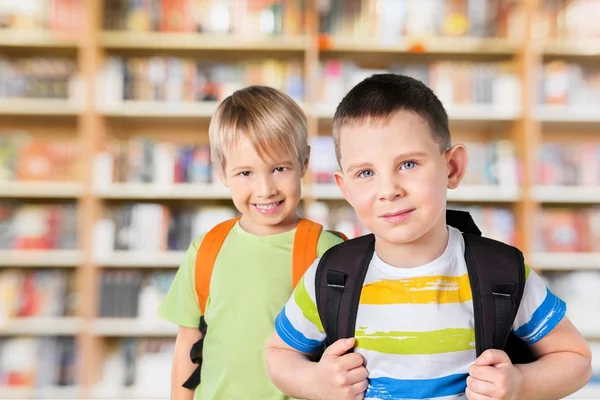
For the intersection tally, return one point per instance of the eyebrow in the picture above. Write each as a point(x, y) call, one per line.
point(416, 154)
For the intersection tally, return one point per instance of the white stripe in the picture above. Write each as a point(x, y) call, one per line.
point(415, 317)
point(417, 366)
point(533, 297)
point(457, 397)
point(298, 321)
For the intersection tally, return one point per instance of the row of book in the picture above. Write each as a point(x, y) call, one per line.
point(37, 362)
point(57, 16)
point(568, 230)
point(454, 82)
point(134, 363)
point(152, 227)
point(176, 79)
point(37, 293)
point(569, 164)
point(564, 19)
point(37, 77)
point(389, 20)
point(568, 83)
point(24, 157)
point(144, 160)
point(235, 17)
point(38, 226)
point(132, 294)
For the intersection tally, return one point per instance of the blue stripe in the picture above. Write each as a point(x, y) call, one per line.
point(392, 389)
point(292, 337)
point(544, 319)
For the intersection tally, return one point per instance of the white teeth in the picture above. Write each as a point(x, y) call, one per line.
point(267, 206)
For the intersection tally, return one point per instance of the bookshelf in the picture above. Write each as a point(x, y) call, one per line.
point(94, 122)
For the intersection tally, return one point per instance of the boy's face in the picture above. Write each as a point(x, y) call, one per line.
point(395, 178)
point(266, 192)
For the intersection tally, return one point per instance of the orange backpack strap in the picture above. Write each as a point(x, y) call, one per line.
point(206, 256)
point(339, 234)
point(306, 242)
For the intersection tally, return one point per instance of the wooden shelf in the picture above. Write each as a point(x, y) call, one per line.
point(125, 327)
point(160, 109)
point(42, 190)
point(472, 112)
point(572, 48)
point(38, 107)
point(566, 194)
point(565, 261)
point(116, 40)
point(434, 45)
point(42, 326)
point(14, 393)
point(568, 114)
point(149, 191)
point(40, 258)
point(36, 39)
point(124, 259)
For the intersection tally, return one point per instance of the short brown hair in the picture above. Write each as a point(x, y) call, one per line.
point(381, 95)
point(269, 118)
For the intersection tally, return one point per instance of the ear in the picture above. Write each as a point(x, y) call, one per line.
point(457, 160)
point(340, 182)
point(306, 162)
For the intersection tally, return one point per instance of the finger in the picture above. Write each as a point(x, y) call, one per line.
point(488, 374)
point(492, 357)
point(474, 396)
point(360, 388)
point(350, 361)
point(481, 387)
point(357, 375)
point(339, 348)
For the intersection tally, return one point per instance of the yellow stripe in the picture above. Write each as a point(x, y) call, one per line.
point(527, 271)
point(307, 305)
point(421, 290)
point(433, 342)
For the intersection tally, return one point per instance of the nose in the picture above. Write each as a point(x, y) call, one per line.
point(265, 187)
point(390, 189)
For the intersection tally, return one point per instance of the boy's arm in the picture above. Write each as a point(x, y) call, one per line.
point(337, 375)
point(182, 364)
point(563, 368)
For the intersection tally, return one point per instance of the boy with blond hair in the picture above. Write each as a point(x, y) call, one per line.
point(258, 139)
point(415, 332)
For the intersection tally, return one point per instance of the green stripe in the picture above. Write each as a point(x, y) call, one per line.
point(527, 271)
point(433, 342)
point(307, 305)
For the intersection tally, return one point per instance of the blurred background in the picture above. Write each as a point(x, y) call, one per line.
point(105, 172)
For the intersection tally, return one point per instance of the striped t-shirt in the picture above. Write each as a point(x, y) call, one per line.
point(415, 326)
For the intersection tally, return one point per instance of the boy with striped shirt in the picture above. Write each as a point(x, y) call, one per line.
point(414, 336)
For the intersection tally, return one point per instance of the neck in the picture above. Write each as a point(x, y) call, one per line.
point(419, 252)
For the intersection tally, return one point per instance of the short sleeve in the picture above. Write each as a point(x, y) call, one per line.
point(180, 305)
point(540, 310)
point(326, 241)
point(298, 324)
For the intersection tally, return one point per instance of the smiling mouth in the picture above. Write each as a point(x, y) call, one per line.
point(268, 208)
point(397, 216)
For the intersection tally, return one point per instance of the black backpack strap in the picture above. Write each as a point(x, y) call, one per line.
point(497, 278)
point(338, 284)
point(196, 357)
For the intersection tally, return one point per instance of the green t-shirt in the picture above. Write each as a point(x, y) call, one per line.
point(250, 284)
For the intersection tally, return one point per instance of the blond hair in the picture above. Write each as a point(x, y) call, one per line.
point(270, 119)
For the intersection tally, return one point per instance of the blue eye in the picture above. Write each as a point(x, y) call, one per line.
point(367, 173)
point(408, 165)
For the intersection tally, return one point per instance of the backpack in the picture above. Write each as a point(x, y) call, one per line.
point(306, 241)
point(496, 275)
